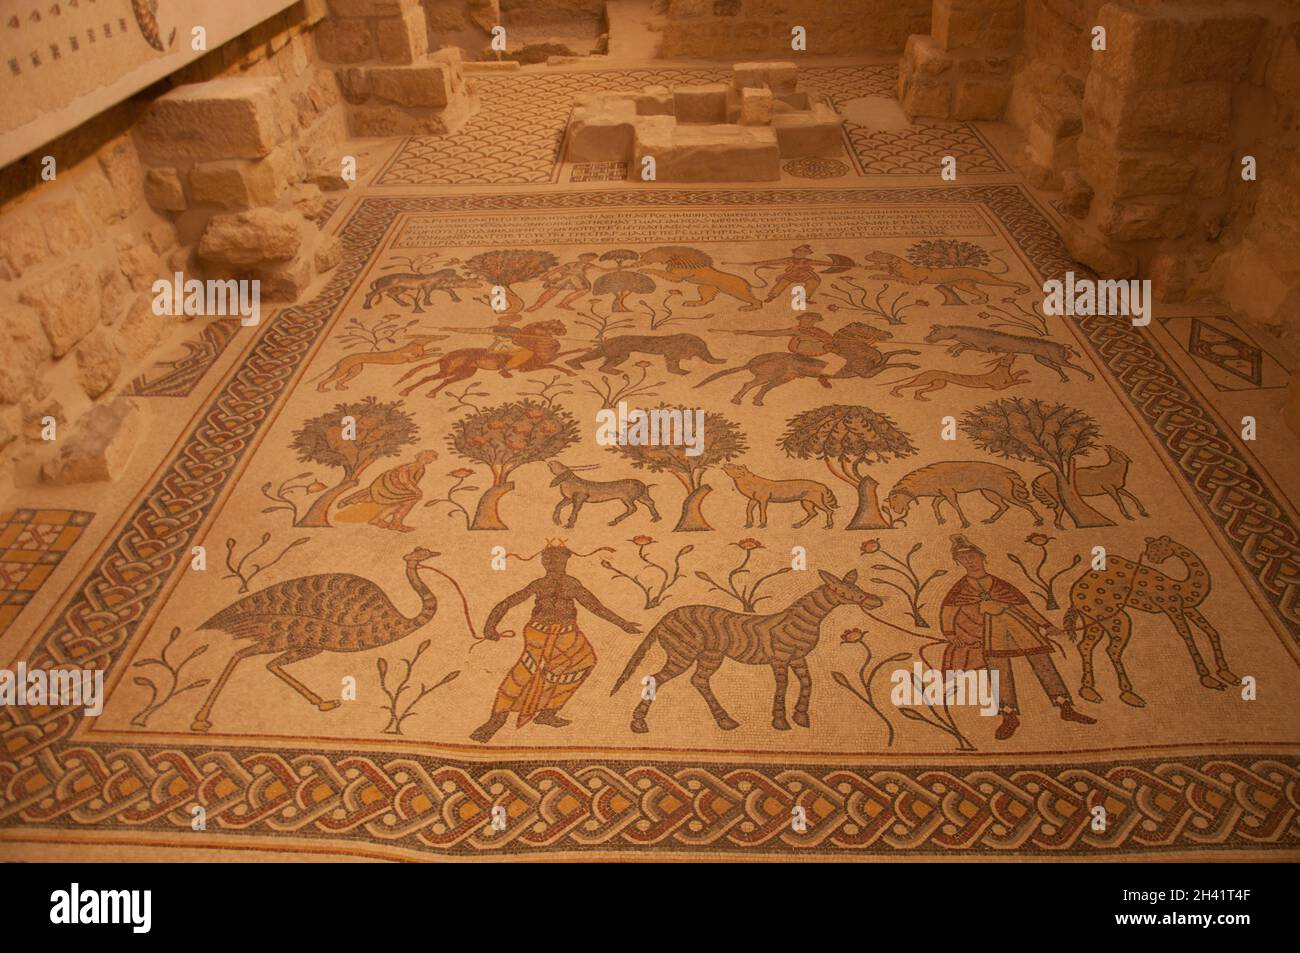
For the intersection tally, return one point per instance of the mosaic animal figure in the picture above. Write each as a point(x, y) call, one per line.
point(299, 618)
point(674, 348)
point(350, 366)
point(576, 491)
point(1100, 601)
point(540, 339)
point(409, 289)
point(705, 635)
point(948, 281)
point(692, 266)
point(999, 376)
point(946, 481)
point(814, 497)
point(1106, 479)
point(965, 337)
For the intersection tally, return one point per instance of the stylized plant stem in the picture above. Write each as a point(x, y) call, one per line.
point(610, 394)
point(654, 595)
point(1043, 587)
point(171, 679)
point(547, 391)
point(866, 676)
point(747, 597)
point(856, 298)
point(395, 717)
point(914, 587)
point(237, 568)
point(460, 476)
point(463, 398)
point(300, 482)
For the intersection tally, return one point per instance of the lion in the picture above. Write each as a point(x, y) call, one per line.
point(695, 267)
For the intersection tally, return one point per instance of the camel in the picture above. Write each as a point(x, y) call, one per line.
point(1100, 600)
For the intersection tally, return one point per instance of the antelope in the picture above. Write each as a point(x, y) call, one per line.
point(1106, 479)
point(576, 490)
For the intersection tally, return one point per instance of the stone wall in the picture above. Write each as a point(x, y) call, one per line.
point(242, 132)
point(740, 29)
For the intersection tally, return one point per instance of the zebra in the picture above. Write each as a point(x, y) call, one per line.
point(705, 635)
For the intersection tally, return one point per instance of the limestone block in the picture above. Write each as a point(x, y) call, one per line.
point(98, 195)
point(976, 24)
point(115, 293)
point(755, 106)
point(98, 363)
point(700, 104)
point(328, 254)
point(780, 77)
point(1124, 175)
point(141, 330)
point(68, 305)
point(708, 153)
point(66, 228)
point(345, 41)
point(1175, 45)
point(602, 131)
point(236, 183)
point(655, 101)
point(380, 119)
point(427, 86)
point(22, 243)
point(404, 38)
point(980, 98)
point(163, 190)
point(813, 133)
point(121, 165)
point(217, 119)
point(1145, 218)
point(244, 239)
point(1133, 114)
point(26, 348)
point(99, 446)
point(285, 282)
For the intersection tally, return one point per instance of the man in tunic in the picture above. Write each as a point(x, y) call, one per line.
point(390, 496)
point(805, 340)
point(568, 276)
point(988, 622)
point(556, 658)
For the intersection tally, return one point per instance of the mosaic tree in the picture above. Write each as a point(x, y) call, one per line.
point(377, 430)
point(722, 440)
point(1051, 435)
point(506, 437)
point(509, 267)
point(622, 282)
point(848, 438)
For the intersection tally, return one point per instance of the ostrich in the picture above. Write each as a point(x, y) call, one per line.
point(331, 612)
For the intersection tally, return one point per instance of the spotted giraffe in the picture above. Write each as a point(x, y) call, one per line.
point(1100, 599)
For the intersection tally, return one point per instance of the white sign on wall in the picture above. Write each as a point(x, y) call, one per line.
point(64, 61)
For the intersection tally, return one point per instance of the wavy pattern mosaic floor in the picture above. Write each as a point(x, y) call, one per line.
point(405, 509)
point(517, 135)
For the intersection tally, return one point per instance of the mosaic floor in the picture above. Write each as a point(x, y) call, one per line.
point(374, 589)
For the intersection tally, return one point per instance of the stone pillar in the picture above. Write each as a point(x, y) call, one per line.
point(393, 84)
point(1154, 147)
point(962, 69)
